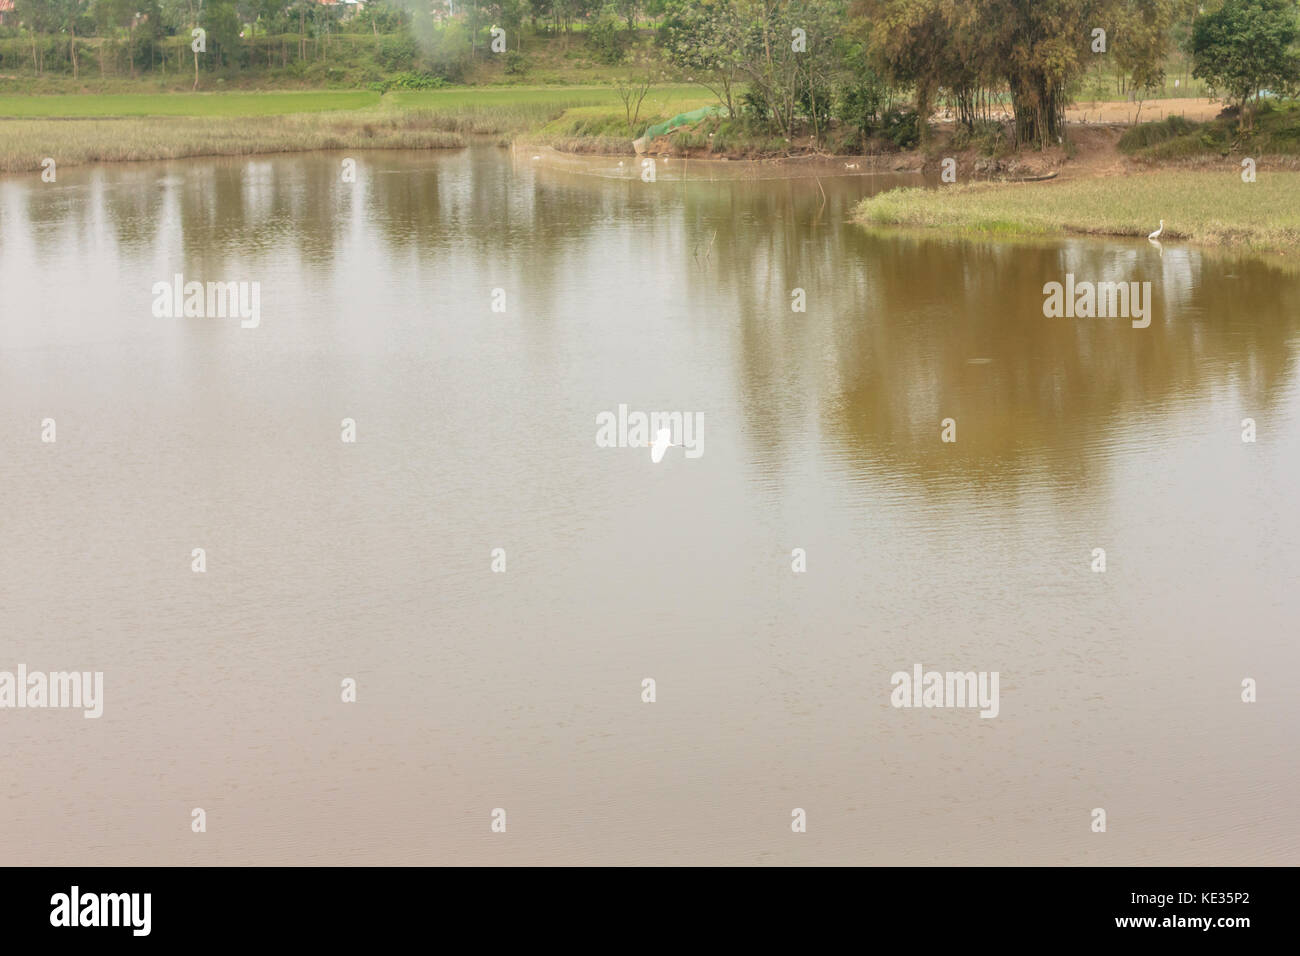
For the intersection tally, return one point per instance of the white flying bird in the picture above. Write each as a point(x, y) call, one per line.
point(663, 441)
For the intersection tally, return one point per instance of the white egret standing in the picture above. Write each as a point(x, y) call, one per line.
point(1156, 234)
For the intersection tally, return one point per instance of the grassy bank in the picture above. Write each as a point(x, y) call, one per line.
point(1274, 130)
point(1203, 206)
point(1186, 173)
point(75, 129)
point(25, 142)
point(604, 126)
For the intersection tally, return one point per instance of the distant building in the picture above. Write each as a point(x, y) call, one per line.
point(6, 10)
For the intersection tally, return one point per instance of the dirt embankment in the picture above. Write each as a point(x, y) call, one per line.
point(1095, 131)
point(1092, 151)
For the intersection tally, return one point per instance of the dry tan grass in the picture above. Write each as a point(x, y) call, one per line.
point(24, 143)
point(1213, 207)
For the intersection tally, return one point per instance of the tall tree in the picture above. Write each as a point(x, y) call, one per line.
point(704, 38)
point(911, 40)
point(1142, 38)
point(1038, 48)
point(72, 17)
point(221, 20)
point(1246, 46)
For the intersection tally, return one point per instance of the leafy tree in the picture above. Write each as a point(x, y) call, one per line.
point(911, 40)
point(629, 10)
point(703, 38)
point(397, 52)
point(221, 20)
point(1037, 48)
point(110, 16)
point(787, 56)
point(605, 39)
point(1040, 46)
point(513, 13)
point(379, 16)
point(73, 18)
point(1141, 38)
point(863, 94)
point(655, 9)
point(1246, 46)
point(42, 17)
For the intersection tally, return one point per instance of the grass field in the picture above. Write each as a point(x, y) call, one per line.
point(99, 106)
point(539, 95)
point(516, 104)
point(81, 128)
point(1203, 206)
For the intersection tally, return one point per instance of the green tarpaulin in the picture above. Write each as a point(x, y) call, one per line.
point(681, 119)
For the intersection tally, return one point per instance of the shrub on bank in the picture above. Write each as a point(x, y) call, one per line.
point(986, 137)
point(1275, 131)
point(607, 40)
point(409, 81)
point(1148, 134)
point(901, 127)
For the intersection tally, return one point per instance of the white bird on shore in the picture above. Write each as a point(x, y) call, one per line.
point(1156, 234)
point(663, 441)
